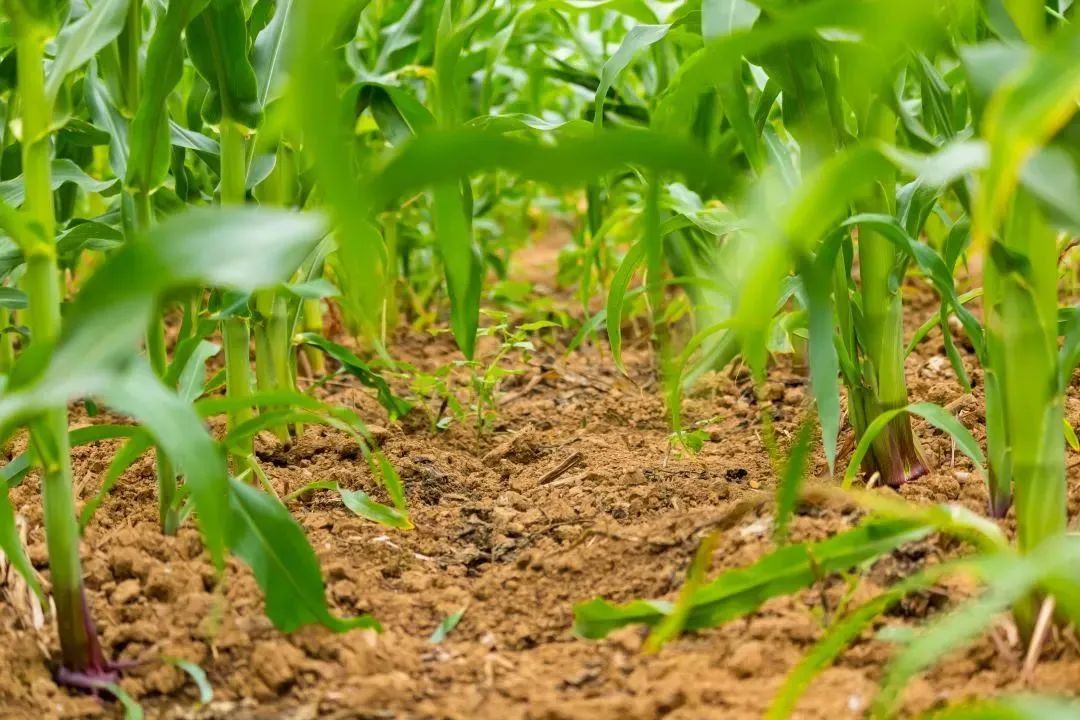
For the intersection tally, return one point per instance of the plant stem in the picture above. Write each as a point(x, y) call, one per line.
point(7, 349)
point(79, 648)
point(156, 351)
point(235, 330)
point(312, 321)
point(1021, 301)
point(894, 453)
point(272, 346)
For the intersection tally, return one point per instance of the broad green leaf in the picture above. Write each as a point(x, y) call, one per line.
point(316, 289)
point(178, 432)
point(239, 247)
point(104, 112)
point(79, 41)
point(63, 171)
point(265, 536)
point(149, 134)
point(363, 505)
point(739, 592)
point(218, 46)
point(13, 473)
point(361, 253)
point(1033, 103)
point(441, 156)
point(824, 364)
point(12, 298)
point(723, 17)
point(192, 380)
point(462, 263)
point(269, 51)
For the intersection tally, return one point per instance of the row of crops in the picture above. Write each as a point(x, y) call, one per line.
point(187, 185)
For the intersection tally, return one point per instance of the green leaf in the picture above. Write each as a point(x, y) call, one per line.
point(824, 363)
point(791, 478)
point(12, 546)
point(739, 592)
point(461, 261)
point(245, 248)
point(442, 156)
point(361, 503)
point(178, 431)
point(62, 171)
point(447, 624)
point(218, 45)
point(361, 257)
point(124, 458)
point(724, 17)
point(843, 632)
point(105, 114)
point(316, 289)
point(639, 38)
point(14, 472)
point(1023, 707)
point(192, 380)
point(265, 536)
point(12, 298)
point(937, 416)
point(356, 367)
point(81, 40)
point(1009, 578)
point(616, 298)
point(198, 675)
point(269, 52)
point(149, 133)
point(132, 709)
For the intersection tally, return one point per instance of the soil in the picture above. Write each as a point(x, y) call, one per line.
point(514, 547)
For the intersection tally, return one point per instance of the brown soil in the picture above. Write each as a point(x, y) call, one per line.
point(516, 553)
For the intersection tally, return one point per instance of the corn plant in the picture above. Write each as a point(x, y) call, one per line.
point(1021, 102)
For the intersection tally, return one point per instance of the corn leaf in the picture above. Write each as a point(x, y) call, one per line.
point(1008, 580)
point(350, 363)
point(739, 592)
point(639, 38)
point(218, 45)
point(1030, 707)
point(149, 133)
point(265, 536)
point(81, 40)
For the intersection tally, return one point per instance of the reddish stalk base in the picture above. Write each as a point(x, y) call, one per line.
point(96, 672)
point(895, 455)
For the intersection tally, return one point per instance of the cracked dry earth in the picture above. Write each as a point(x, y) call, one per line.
point(575, 494)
